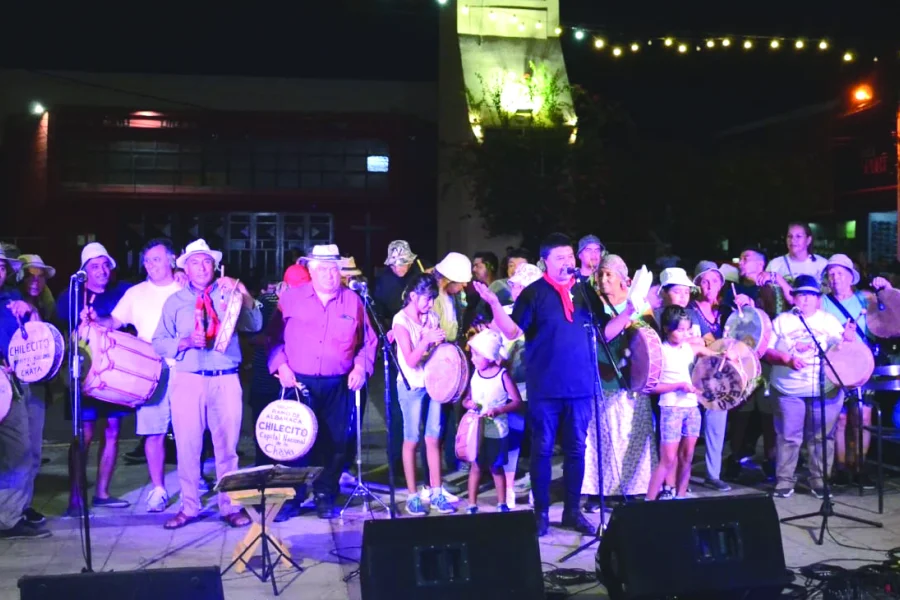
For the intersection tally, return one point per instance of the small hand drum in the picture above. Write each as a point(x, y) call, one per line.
point(468, 436)
point(853, 362)
point(446, 373)
point(751, 326)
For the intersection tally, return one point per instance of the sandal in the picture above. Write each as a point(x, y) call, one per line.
point(238, 519)
point(179, 521)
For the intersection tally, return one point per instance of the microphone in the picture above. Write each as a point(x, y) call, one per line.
point(795, 311)
point(878, 297)
point(81, 276)
point(576, 273)
point(361, 287)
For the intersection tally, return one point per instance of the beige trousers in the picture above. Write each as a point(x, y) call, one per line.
point(199, 403)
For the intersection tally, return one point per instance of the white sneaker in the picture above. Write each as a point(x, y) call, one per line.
point(157, 500)
point(425, 494)
point(511, 496)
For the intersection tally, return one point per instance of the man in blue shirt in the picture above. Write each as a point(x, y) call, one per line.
point(101, 298)
point(15, 447)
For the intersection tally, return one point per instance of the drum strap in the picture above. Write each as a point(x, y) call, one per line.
point(844, 311)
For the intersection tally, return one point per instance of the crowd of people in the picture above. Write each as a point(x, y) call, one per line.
point(536, 377)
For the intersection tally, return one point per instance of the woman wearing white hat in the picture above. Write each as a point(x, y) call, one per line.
point(846, 303)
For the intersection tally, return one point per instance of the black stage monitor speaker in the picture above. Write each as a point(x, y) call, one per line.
point(694, 548)
point(193, 583)
point(492, 556)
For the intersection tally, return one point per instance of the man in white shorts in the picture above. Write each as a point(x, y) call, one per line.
point(141, 306)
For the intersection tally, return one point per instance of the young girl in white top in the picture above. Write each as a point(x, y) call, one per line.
point(679, 423)
point(417, 331)
point(493, 395)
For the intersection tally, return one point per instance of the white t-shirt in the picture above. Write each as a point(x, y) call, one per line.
point(415, 377)
point(789, 268)
point(676, 368)
point(142, 307)
point(790, 336)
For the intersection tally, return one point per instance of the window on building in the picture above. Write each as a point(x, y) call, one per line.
point(254, 164)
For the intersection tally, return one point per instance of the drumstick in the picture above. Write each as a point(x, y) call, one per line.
point(22, 328)
point(221, 291)
point(735, 294)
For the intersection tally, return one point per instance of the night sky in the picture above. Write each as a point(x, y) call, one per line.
point(665, 94)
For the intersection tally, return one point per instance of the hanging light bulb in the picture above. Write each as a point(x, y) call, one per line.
point(726, 42)
point(538, 25)
point(492, 16)
point(682, 48)
point(774, 44)
point(799, 44)
point(668, 42)
point(464, 10)
point(521, 26)
point(635, 47)
point(747, 44)
point(579, 35)
point(848, 57)
point(710, 43)
point(557, 30)
point(617, 52)
point(599, 43)
point(823, 45)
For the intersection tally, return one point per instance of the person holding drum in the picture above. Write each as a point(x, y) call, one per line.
point(322, 338)
point(799, 260)
point(627, 433)
point(847, 304)
point(756, 289)
point(141, 307)
point(552, 314)
point(416, 332)
point(100, 298)
point(795, 378)
point(680, 420)
point(17, 456)
point(206, 393)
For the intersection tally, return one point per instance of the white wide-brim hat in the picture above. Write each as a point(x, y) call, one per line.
point(526, 274)
point(456, 267)
point(198, 247)
point(842, 260)
point(674, 276)
point(96, 250)
point(325, 253)
point(14, 264)
point(33, 261)
point(488, 344)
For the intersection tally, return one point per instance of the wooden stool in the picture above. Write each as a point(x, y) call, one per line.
point(275, 499)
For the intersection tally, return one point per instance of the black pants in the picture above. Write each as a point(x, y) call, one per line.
point(569, 417)
point(332, 404)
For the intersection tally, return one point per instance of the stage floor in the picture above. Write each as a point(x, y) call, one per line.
point(126, 539)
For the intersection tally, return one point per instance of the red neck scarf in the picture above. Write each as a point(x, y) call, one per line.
point(205, 304)
point(565, 294)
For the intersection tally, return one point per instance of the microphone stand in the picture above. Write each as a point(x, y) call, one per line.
point(598, 399)
point(826, 510)
point(388, 357)
point(79, 458)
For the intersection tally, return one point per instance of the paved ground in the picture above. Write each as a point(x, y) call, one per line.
point(125, 539)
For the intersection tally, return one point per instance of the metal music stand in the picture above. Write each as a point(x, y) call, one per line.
point(261, 479)
point(361, 491)
point(826, 509)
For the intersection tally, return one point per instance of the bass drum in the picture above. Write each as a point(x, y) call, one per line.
point(286, 429)
point(752, 326)
point(727, 380)
point(644, 357)
point(853, 362)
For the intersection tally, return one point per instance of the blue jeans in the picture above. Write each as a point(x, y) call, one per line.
point(412, 402)
point(572, 416)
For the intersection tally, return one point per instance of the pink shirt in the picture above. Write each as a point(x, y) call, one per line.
point(321, 340)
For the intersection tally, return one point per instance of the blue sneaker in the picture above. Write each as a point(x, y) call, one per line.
point(416, 507)
point(502, 508)
point(442, 505)
point(472, 510)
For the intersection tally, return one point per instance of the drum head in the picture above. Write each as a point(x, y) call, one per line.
point(286, 430)
point(884, 323)
point(744, 355)
point(751, 326)
point(38, 355)
point(721, 382)
point(854, 363)
point(6, 395)
point(446, 373)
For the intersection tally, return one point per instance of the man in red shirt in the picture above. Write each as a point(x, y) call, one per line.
point(322, 338)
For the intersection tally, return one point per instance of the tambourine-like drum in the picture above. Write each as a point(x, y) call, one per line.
point(446, 373)
point(286, 429)
point(884, 322)
point(725, 382)
point(468, 436)
point(233, 303)
point(36, 351)
point(123, 369)
point(751, 326)
point(853, 362)
point(6, 395)
point(645, 357)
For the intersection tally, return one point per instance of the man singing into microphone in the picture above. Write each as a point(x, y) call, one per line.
point(553, 313)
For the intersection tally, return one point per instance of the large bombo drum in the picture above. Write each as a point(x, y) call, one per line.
point(726, 381)
point(446, 373)
point(286, 429)
point(36, 352)
point(123, 370)
point(853, 362)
